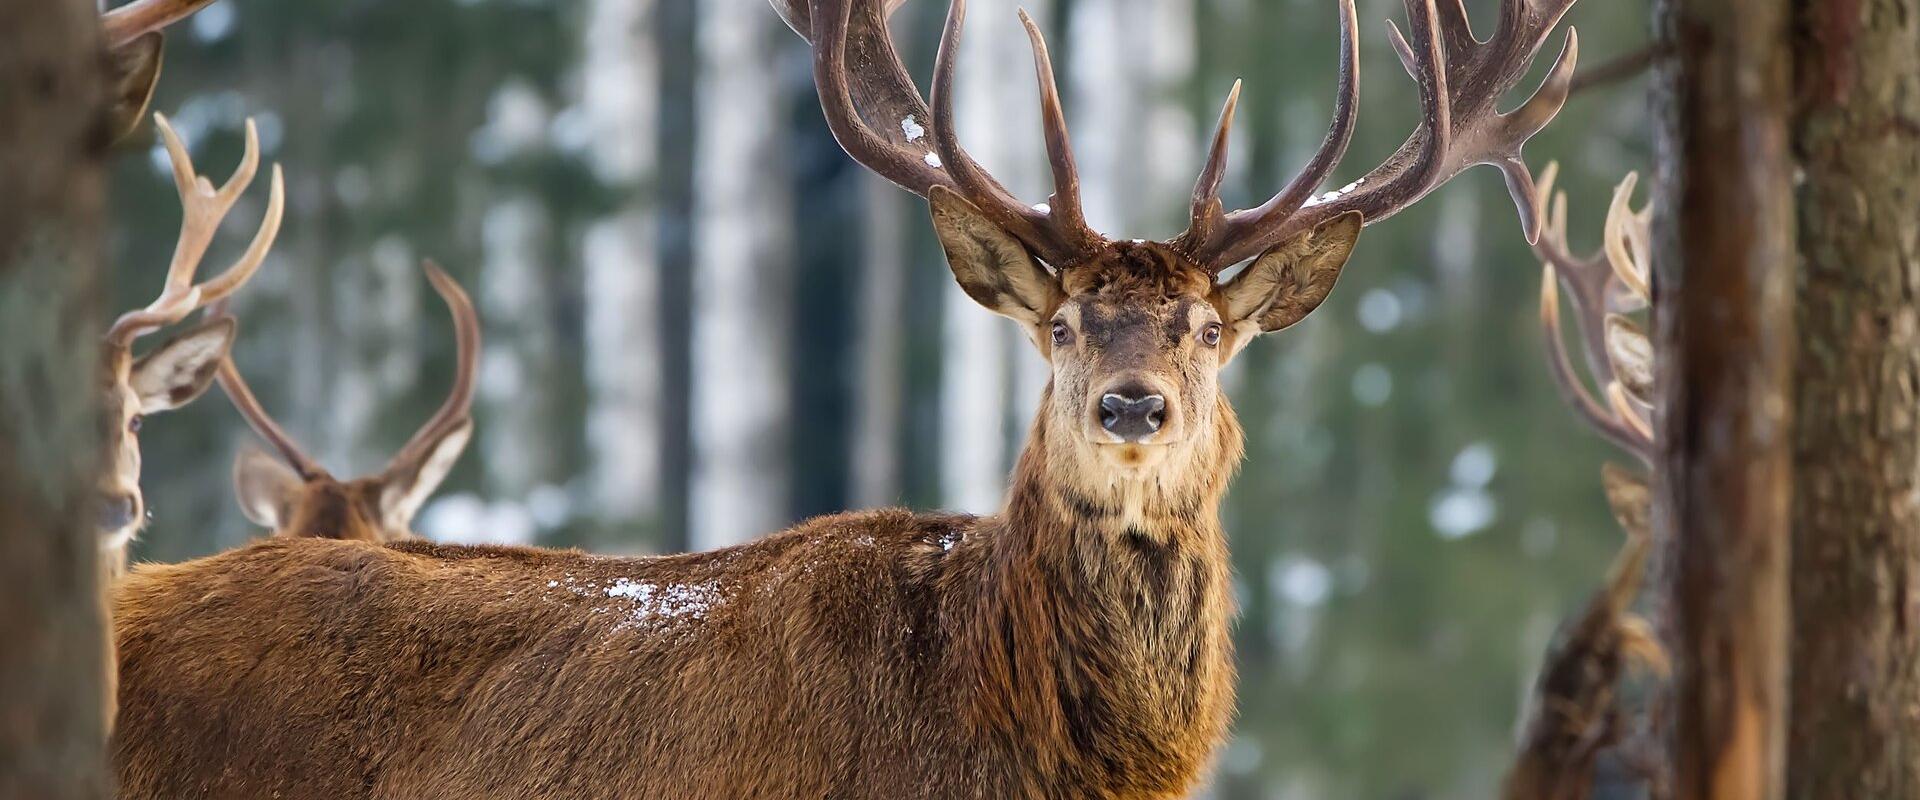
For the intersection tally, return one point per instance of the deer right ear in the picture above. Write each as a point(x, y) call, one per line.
point(992, 267)
point(134, 70)
point(266, 488)
point(1288, 282)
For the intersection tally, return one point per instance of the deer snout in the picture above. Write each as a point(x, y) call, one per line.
point(116, 511)
point(1132, 412)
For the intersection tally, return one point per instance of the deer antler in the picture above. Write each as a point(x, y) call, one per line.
point(453, 413)
point(129, 22)
point(203, 207)
point(1461, 82)
point(457, 410)
point(1604, 287)
point(881, 121)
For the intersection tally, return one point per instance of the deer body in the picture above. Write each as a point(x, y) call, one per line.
point(1071, 647)
point(1076, 645)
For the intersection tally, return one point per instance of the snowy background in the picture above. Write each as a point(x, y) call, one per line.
point(704, 322)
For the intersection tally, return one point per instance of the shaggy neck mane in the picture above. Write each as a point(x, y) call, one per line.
point(1100, 625)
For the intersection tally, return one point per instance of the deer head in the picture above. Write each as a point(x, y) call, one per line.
point(1137, 331)
point(292, 495)
point(135, 46)
point(174, 373)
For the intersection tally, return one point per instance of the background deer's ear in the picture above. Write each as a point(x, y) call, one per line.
point(406, 486)
point(182, 369)
point(1288, 282)
point(992, 267)
point(134, 71)
point(266, 489)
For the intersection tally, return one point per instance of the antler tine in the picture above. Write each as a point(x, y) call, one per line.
point(1218, 241)
point(458, 407)
point(262, 423)
point(133, 20)
point(1462, 81)
point(1065, 210)
point(202, 209)
point(1207, 212)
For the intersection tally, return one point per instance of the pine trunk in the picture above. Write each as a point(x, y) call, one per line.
point(1856, 528)
point(1724, 322)
point(52, 140)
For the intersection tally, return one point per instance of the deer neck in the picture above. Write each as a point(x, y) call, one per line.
point(1104, 607)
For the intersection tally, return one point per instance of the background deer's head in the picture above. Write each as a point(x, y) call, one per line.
point(176, 372)
point(1137, 331)
point(292, 495)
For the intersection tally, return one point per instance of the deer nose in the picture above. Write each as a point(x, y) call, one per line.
point(1132, 413)
point(117, 511)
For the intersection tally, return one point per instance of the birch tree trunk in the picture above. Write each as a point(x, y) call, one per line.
point(521, 355)
point(742, 277)
point(52, 139)
point(981, 350)
point(883, 329)
point(619, 97)
point(1724, 268)
point(1134, 137)
point(1856, 528)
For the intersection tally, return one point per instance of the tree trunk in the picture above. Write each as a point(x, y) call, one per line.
point(1856, 529)
point(53, 135)
point(1724, 269)
point(883, 329)
point(742, 280)
point(619, 95)
point(999, 117)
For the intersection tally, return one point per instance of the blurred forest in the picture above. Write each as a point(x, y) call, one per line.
point(705, 322)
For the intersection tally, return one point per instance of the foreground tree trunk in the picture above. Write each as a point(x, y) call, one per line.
point(1856, 529)
point(52, 137)
point(1724, 271)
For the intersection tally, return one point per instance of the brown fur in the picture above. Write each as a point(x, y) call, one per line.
point(1076, 645)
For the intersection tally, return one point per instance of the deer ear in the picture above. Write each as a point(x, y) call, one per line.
point(992, 267)
point(183, 368)
point(134, 70)
point(1288, 282)
point(266, 489)
point(406, 487)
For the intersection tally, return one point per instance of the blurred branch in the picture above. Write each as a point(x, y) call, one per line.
point(1619, 68)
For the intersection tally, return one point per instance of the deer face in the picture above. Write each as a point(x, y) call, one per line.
point(132, 389)
point(1137, 333)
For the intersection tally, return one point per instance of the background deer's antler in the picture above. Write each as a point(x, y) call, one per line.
point(202, 209)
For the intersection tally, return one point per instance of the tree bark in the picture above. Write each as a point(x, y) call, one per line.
point(743, 279)
point(1856, 528)
point(53, 135)
point(1724, 270)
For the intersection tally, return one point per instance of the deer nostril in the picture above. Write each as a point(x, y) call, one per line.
point(117, 511)
point(1132, 418)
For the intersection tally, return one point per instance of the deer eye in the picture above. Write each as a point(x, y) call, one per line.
point(1062, 335)
point(1210, 335)
point(134, 422)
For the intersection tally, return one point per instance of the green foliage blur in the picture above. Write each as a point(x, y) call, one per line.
point(1417, 512)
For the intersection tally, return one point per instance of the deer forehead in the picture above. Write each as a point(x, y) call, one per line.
point(1137, 272)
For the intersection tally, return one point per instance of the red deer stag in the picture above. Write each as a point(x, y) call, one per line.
point(178, 371)
point(174, 373)
point(1575, 713)
point(134, 49)
point(294, 496)
point(1074, 645)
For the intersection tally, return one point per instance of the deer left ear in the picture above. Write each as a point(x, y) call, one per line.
point(1288, 282)
point(406, 486)
point(134, 71)
point(992, 266)
point(182, 369)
